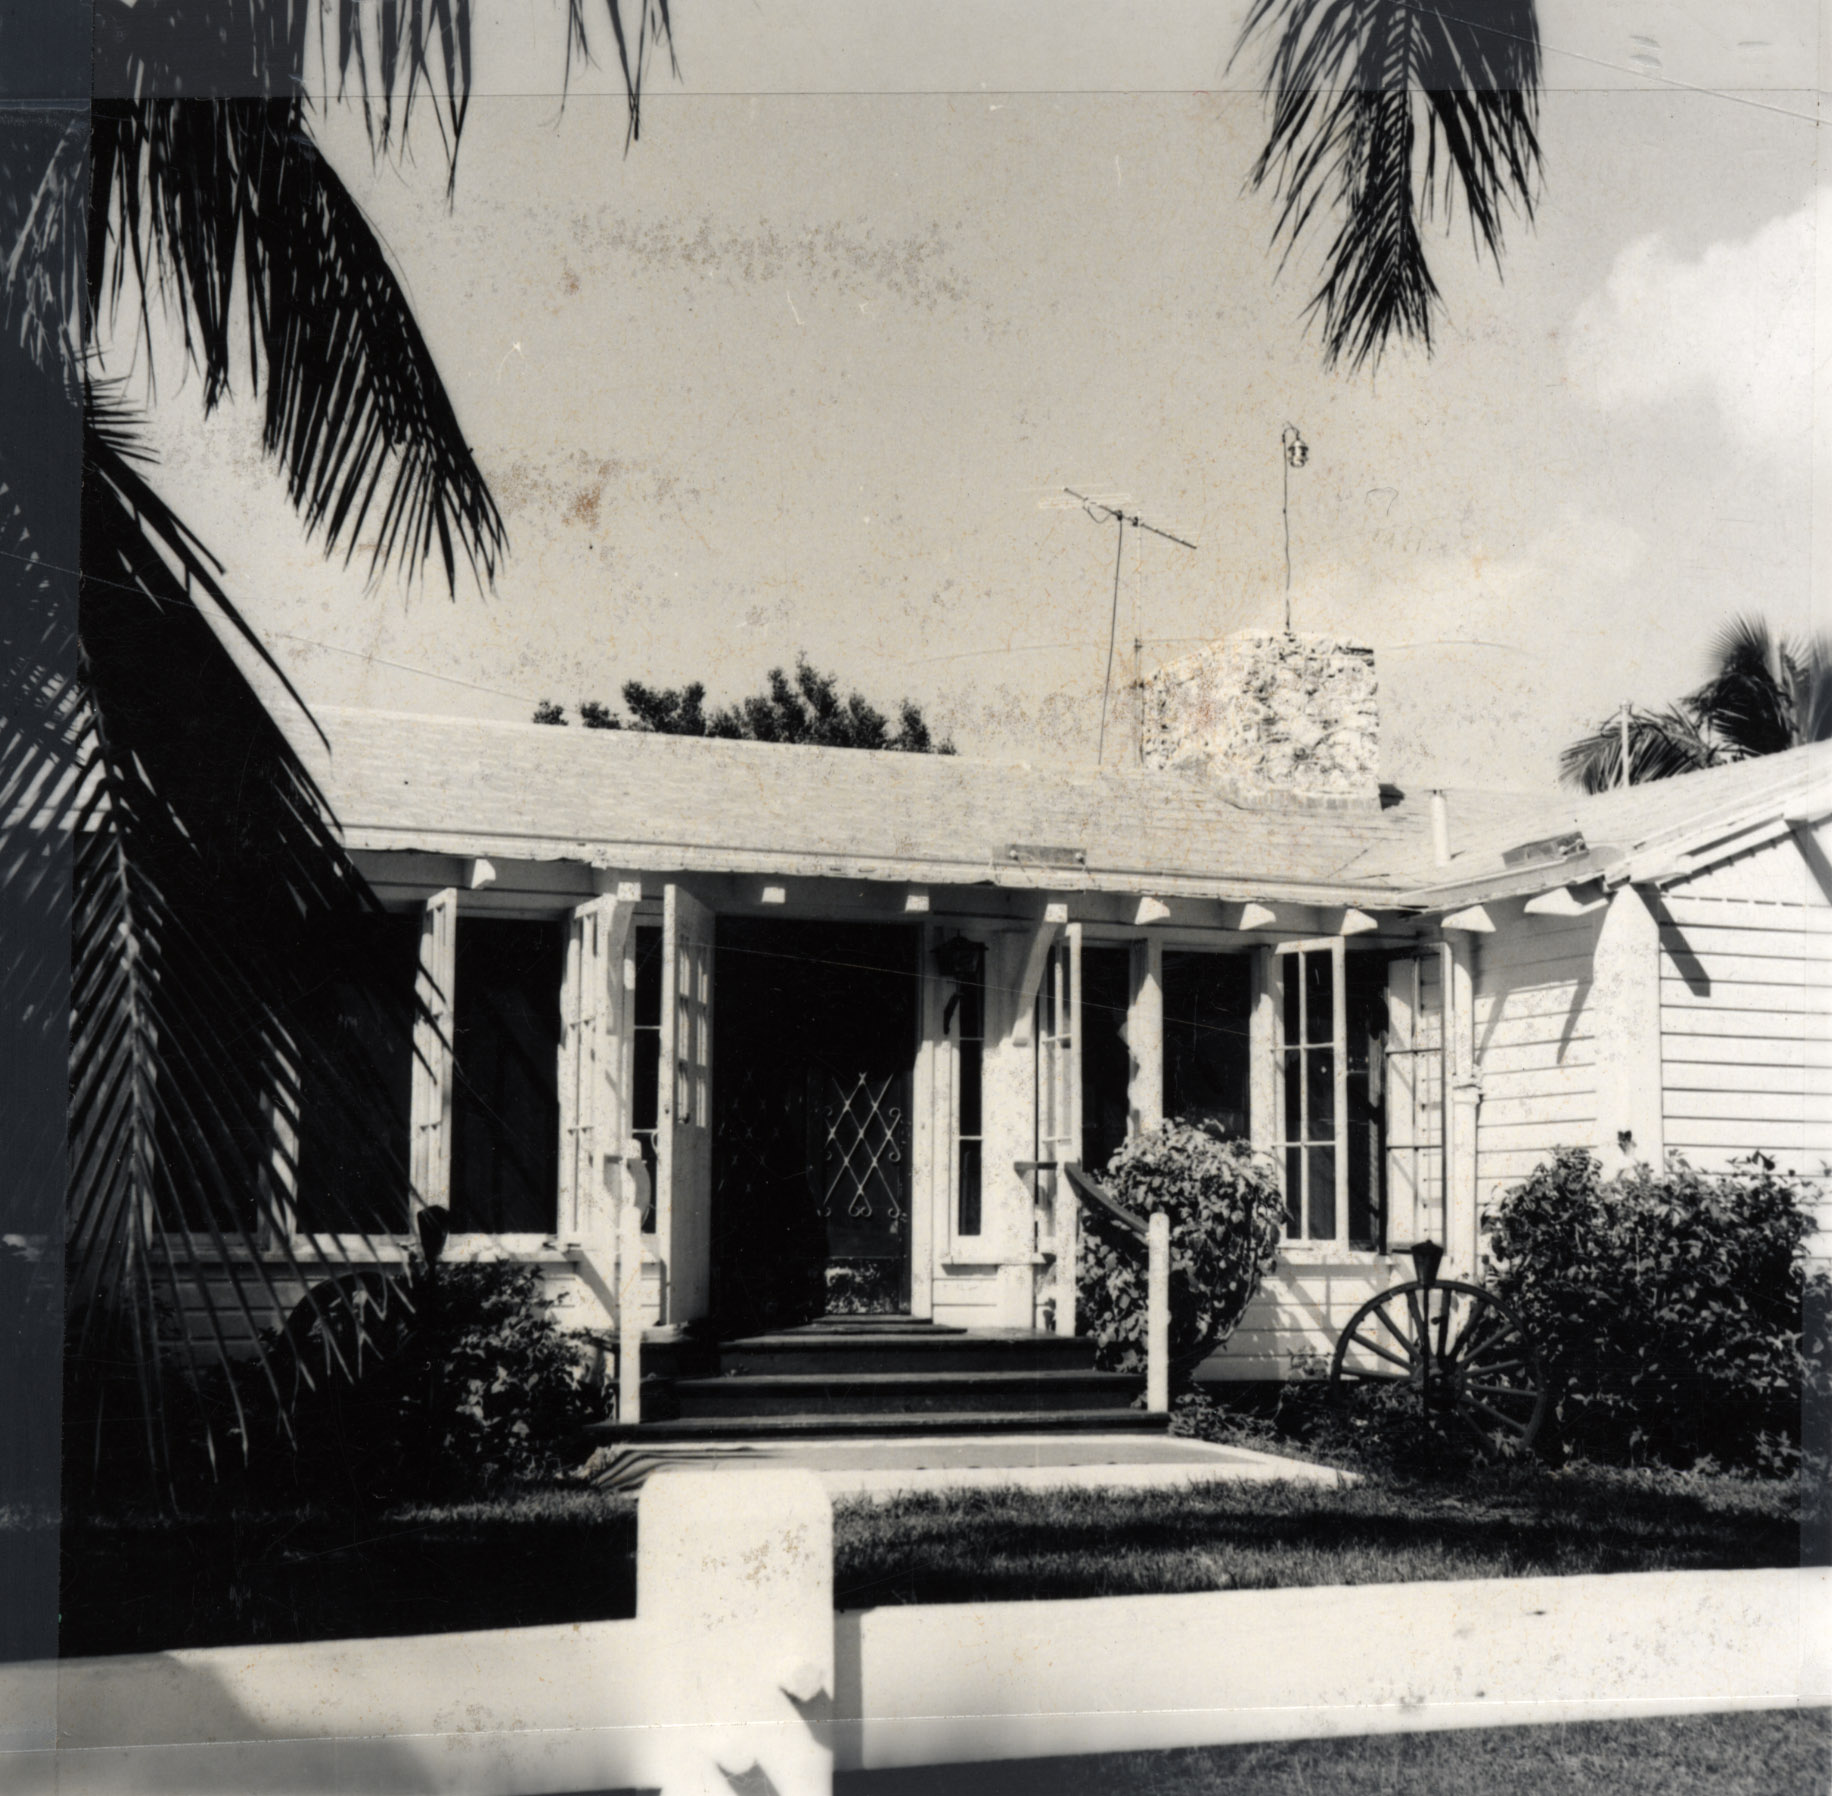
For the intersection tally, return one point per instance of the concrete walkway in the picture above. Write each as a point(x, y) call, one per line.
point(893, 1466)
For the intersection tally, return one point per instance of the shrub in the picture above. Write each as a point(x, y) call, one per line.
point(1666, 1305)
point(464, 1382)
point(1225, 1218)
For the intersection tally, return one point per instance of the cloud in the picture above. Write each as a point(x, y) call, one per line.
point(1735, 325)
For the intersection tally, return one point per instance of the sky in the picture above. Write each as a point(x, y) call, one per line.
point(808, 367)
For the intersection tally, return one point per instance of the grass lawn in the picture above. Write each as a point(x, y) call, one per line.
point(1772, 1753)
point(142, 1582)
point(987, 1546)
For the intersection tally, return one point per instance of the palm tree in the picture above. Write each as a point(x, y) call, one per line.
point(1764, 694)
point(201, 858)
point(202, 861)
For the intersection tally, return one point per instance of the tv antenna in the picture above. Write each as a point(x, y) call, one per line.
point(1096, 510)
point(1296, 452)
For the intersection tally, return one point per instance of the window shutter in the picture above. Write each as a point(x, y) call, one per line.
point(684, 1125)
point(1413, 1071)
point(594, 1022)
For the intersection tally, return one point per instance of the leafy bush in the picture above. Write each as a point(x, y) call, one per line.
point(1226, 1215)
point(1666, 1305)
point(450, 1381)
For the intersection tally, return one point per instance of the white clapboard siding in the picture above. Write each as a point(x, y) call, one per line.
point(1293, 1321)
point(1534, 1049)
point(1746, 1014)
point(240, 1323)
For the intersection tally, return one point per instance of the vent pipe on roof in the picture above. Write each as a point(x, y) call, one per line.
point(1440, 829)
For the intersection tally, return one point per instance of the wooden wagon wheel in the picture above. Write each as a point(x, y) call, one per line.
point(1458, 1349)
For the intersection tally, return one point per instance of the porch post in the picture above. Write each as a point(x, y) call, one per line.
point(1462, 1224)
point(1625, 1024)
point(431, 1170)
point(628, 1178)
point(1157, 1313)
point(1145, 1036)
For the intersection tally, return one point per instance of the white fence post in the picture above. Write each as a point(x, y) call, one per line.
point(734, 1599)
point(635, 1195)
point(1157, 1313)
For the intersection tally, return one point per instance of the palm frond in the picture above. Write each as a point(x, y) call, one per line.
point(229, 209)
point(1661, 745)
point(1749, 696)
point(393, 57)
point(42, 251)
point(1345, 79)
point(204, 857)
point(1813, 692)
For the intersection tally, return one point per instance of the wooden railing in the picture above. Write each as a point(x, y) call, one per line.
point(1154, 1231)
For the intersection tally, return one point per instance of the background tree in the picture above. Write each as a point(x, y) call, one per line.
point(1764, 694)
point(806, 708)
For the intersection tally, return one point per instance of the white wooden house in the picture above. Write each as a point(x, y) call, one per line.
point(858, 1009)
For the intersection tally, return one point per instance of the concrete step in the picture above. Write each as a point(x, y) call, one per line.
point(848, 1427)
point(834, 1352)
point(903, 1393)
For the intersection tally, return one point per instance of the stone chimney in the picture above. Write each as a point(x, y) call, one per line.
point(1271, 715)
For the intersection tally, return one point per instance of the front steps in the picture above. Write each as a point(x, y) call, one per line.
point(853, 1376)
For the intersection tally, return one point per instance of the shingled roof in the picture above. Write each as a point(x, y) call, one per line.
point(1640, 832)
point(622, 798)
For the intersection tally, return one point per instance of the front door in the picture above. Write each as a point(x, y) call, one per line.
point(816, 1041)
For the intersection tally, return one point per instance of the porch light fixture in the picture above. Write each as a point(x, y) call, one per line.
point(958, 959)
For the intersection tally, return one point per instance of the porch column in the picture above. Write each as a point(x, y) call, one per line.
point(431, 1167)
point(1462, 1227)
point(1145, 1036)
point(1625, 1025)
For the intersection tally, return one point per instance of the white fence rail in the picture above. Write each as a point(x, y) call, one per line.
point(736, 1660)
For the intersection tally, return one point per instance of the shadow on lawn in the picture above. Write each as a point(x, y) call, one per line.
point(147, 1583)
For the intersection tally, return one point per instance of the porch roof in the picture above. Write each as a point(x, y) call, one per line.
point(626, 799)
point(1658, 831)
point(648, 803)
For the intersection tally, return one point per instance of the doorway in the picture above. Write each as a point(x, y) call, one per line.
point(815, 1030)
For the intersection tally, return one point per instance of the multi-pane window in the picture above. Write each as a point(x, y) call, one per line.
point(1313, 1076)
point(1331, 1017)
point(645, 1072)
point(970, 1119)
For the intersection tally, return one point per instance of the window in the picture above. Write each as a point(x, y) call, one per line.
point(1106, 1060)
point(355, 1077)
point(645, 1072)
point(969, 1060)
point(1311, 1065)
point(1331, 1015)
point(1365, 986)
point(506, 1100)
point(1208, 1001)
